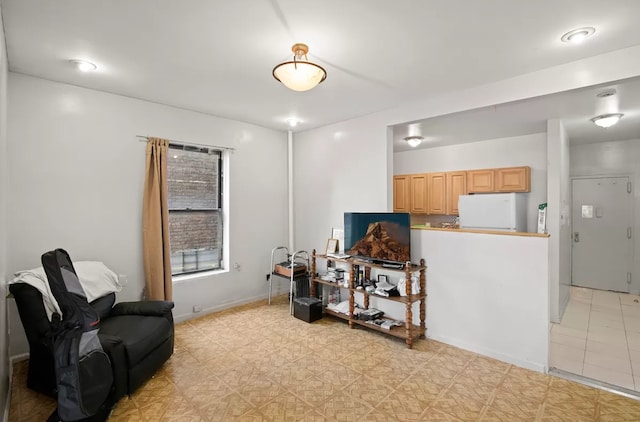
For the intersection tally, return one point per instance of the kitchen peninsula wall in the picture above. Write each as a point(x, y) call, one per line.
point(526, 150)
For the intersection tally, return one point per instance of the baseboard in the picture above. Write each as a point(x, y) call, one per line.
point(218, 308)
point(534, 366)
point(18, 358)
point(7, 403)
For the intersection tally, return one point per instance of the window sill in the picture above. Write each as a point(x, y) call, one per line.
point(188, 277)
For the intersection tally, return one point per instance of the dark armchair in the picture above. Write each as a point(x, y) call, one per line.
point(137, 336)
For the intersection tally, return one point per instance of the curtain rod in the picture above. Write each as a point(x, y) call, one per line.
point(143, 138)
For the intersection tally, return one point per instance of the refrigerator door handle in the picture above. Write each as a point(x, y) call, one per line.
point(576, 237)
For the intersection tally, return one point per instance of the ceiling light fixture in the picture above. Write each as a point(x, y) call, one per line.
point(299, 74)
point(83, 65)
point(607, 120)
point(414, 141)
point(578, 35)
point(606, 93)
point(292, 121)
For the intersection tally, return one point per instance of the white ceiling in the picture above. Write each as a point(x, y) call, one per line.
point(216, 56)
point(575, 108)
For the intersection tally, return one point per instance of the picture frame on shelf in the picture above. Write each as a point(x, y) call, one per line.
point(382, 278)
point(332, 246)
point(337, 233)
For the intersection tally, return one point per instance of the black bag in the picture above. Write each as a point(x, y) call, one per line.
point(83, 371)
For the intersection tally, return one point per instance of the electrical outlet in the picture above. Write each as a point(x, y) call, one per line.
point(197, 308)
point(268, 276)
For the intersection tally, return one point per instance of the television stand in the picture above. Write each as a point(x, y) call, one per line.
point(407, 331)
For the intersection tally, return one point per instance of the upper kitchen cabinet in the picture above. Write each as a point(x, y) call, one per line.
point(513, 179)
point(456, 185)
point(437, 193)
point(480, 181)
point(401, 193)
point(418, 189)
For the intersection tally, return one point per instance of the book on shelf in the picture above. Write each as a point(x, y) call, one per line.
point(385, 323)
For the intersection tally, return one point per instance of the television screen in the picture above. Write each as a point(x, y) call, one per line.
point(383, 237)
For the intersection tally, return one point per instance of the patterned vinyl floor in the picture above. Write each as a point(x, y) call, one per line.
point(257, 363)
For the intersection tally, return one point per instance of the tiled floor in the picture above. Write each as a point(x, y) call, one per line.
point(599, 337)
point(257, 363)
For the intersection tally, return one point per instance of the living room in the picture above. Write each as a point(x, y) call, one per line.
point(72, 165)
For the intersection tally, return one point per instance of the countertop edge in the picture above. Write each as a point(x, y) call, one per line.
point(498, 232)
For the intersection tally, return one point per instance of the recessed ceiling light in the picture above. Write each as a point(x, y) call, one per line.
point(606, 93)
point(83, 65)
point(607, 120)
point(292, 121)
point(578, 35)
point(414, 141)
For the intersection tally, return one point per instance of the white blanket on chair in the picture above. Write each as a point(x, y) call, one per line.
point(96, 279)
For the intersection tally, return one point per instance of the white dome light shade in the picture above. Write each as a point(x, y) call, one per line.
point(414, 141)
point(299, 74)
point(607, 120)
point(578, 35)
point(83, 65)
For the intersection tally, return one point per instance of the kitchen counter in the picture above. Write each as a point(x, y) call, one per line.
point(488, 292)
point(499, 232)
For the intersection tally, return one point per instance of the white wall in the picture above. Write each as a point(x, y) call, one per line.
point(4, 368)
point(76, 178)
point(527, 150)
point(337, 168)
point(487, 293)
point(613, 159)
point(558, 217)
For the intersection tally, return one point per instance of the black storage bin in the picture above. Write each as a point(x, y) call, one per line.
point(308, 309)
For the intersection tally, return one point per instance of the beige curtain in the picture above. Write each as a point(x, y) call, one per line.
point(155, 223)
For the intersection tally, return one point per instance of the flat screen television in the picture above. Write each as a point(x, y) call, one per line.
point(378, 237)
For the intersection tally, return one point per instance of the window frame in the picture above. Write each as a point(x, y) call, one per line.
point(221, 262)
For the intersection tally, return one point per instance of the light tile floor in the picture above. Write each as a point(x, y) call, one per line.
point(599, 337)
point(258, 363)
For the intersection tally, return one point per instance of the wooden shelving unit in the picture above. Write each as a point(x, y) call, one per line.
point(408, 331)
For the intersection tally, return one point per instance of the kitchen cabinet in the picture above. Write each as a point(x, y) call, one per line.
point(401, 193)
point(456, 185)
point(513, 179)
point(437, 194)
point(419, 200)
point(480, 181)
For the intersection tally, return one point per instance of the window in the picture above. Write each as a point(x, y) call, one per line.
point(195, 209)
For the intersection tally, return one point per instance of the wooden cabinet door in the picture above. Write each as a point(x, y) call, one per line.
point(401, 194)
point(456, 186)
point(437, 193)
point(419, 199)
point(480, 181)
point(513, 179)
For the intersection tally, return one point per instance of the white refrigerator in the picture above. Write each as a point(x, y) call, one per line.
point(493, 211)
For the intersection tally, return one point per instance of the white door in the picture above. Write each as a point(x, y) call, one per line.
point(602, 245)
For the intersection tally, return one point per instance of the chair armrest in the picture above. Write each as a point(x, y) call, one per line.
point(114, 347)
point(149, 308)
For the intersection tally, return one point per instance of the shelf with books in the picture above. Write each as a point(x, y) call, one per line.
point(408, 331)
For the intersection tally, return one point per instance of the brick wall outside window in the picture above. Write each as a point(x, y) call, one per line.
point(195, 220)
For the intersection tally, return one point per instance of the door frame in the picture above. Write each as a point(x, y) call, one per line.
point(630, 177)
